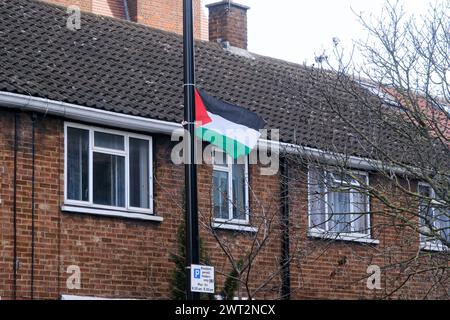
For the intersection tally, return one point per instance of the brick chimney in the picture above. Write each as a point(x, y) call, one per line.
point(228, 23)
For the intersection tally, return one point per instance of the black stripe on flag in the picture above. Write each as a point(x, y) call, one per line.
point(231, 112)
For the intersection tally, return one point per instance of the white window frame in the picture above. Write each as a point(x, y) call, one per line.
point(315, 231)
point(219, 222)
point(80, 206)
point(429, 244)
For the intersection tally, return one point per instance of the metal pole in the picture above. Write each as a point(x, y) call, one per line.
point(192, 238)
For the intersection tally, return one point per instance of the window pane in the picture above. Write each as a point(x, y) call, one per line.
point(435, 218)
point(446, 229)
point(139, 173)
point(424, 190)
point(360, 215)
point(238, 174)
point(426, 212)
point(442, 222)
point(77, 164)
point(316, 189)
point(220, 194)
point(339, 210)
point(109, 180)
point(110, 141)
point(427, 221)
point(220, 158)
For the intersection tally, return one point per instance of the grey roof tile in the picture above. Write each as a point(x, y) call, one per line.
point(132, 69)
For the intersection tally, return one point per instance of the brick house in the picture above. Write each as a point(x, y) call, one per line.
point(87, 178)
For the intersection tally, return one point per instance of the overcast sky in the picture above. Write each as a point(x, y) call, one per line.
point(296, 30)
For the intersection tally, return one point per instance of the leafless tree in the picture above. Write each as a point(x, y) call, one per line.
point(393, 110)
point(252, 260)
point(383, 172)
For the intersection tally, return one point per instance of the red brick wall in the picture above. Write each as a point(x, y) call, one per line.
point(110, 8)
point(47, 221)
point(168, 15)
point(6, 196)
point(333, 269)
point(204, 24)
point(117, 257)
point(129, 258)
point(264, 203)
point(162, 14)
point(85, 5)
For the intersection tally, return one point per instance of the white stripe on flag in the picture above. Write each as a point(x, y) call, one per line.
point(242, 134)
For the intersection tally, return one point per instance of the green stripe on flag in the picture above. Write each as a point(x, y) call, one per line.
point(234, 148)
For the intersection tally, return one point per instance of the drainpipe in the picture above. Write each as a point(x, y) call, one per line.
point(126, 10)
point(285, 254)
point(15, 260)
point(33, 174)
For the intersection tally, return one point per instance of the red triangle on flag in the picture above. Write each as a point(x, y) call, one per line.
point(201, 115)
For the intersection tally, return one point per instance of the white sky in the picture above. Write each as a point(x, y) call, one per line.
point(297, 30)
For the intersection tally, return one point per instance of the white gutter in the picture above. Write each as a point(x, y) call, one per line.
point(85, 114)
point(333, 158)
point(114, 119)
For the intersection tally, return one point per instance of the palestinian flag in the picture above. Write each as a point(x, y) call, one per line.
point(232, 128)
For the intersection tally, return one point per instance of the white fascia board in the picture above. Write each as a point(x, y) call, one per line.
point(334, 158)
point(85, 114)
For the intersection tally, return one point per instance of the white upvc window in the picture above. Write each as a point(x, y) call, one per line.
point(230, 189)
point(434, 219)
point(338, 205)
point(107, 169)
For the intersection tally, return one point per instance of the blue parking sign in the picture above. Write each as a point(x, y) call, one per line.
point(202, 278)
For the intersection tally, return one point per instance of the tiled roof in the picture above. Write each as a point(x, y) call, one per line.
point(128, 68)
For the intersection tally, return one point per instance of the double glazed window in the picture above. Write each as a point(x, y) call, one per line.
point(337, 203)
point(230, 189)
point(434, 218)
point(108, 169)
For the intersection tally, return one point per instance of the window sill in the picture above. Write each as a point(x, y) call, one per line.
point(234, 227)
point(342, 237)
point(432, 246)
point(112, 213)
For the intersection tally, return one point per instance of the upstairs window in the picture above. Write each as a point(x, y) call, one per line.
point(434, 219)
point(230, 189)
point(337, 203)
point(108, 169)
